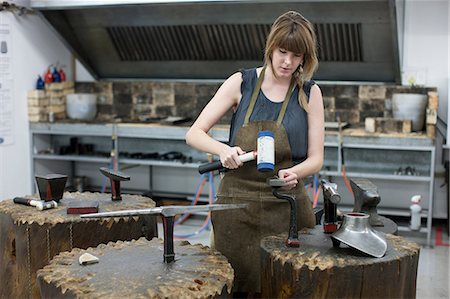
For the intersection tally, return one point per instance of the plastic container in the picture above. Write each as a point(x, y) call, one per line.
point(410, 106)
point(81, 106)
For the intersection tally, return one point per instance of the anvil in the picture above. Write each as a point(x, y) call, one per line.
point(168, 214)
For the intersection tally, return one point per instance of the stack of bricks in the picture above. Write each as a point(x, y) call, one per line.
point(37, 106)
point(431, 119)
point(51, 102)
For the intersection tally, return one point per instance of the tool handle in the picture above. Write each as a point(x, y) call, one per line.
point(217, 165)
point(22, 201)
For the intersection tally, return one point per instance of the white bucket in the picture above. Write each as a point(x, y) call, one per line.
point(81, 106)
point(410, 106)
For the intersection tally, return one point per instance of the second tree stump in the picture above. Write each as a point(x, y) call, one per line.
point(318, 270)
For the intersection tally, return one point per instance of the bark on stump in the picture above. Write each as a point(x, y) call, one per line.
point(318, 270)
point(136, 270)
point(29, 238)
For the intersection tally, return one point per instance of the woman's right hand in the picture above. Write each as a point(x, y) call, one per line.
point(229, 157)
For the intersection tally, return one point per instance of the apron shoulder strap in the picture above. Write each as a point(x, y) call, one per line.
point(255, 95)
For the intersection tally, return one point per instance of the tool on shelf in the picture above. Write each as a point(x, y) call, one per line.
point(330, 200)
point(276, 184)
point(168, 214)
point(115, 177)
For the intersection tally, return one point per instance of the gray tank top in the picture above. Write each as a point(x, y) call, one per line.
point(295, 120)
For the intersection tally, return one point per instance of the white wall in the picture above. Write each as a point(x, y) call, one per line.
point(34, 47)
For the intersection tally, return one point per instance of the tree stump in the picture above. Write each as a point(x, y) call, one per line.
point(136, 270)
point(29, 238)
point(318, 270)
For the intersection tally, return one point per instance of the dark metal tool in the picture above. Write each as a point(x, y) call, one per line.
point(276, 184)
point(330, 200)
point(366, 199)
point(51, 186)
point(115, 177)
point(168, 214)
point(39, 204)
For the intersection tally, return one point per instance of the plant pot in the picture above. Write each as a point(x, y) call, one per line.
point(410, 106)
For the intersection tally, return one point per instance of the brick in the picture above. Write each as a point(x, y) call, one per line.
point(387, 125)
point(56, 108)
point(54, 86)
point(84, 87)
point(347, 103)
point(329, 102)
point(327, 90)
point(330, 115)
point(163, 97)
point(36, 93)
point(372, 92)
point(433, 100)
point(431, 131)
point(122, 99)
point(37, 110)
point(431, 118)
point(346, 91)
point(349, 116)
point(186, 89)
point(121, 88)
point(38, 101)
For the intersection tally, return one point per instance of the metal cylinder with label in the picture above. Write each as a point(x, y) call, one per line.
point(266, 151)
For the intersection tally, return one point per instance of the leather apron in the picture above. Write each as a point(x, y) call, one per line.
point(237, 233)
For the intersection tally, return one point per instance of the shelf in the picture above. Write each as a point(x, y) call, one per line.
point(389, 176)
point(71, 158)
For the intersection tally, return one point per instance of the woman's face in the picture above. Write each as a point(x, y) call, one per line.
point(285, 62)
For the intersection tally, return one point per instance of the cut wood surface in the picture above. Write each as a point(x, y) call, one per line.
point(136, 270)
point(318, 270)
point(30, 238)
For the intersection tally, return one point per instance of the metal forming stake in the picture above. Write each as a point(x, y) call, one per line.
point(330, 200)
point(168, 214)
point(115, 177)
point(292, 240)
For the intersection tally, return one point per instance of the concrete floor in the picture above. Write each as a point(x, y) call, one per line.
point(434, 264)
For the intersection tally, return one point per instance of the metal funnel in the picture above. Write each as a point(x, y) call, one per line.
point(357, 233)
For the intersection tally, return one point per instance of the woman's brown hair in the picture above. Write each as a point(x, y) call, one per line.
point(292, 32)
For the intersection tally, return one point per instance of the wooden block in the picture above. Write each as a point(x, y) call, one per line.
point(387, 125)
point(433, 100)
point(431, 131)
point(36, 93)
point(431, 116)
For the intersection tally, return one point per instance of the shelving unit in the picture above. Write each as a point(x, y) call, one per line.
point(374, 158)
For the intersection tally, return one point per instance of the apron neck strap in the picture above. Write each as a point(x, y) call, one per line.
point(255, 95)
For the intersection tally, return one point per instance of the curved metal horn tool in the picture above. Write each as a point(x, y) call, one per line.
point(168, 214)
point(292, 240)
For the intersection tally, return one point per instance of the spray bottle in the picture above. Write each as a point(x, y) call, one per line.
point(415, 212)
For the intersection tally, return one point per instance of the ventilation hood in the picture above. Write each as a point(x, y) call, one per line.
point(212, 39)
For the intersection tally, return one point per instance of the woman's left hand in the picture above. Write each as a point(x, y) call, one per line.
point(290, 178)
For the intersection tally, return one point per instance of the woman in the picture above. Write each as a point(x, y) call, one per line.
point(281, 100)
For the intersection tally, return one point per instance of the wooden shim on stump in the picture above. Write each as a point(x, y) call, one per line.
point(136, 270)
point(318, 270)
point(30, 238)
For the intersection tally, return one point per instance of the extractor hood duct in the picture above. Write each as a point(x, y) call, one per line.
point(212, 39)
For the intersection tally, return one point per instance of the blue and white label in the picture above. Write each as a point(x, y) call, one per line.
point(266, 151)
